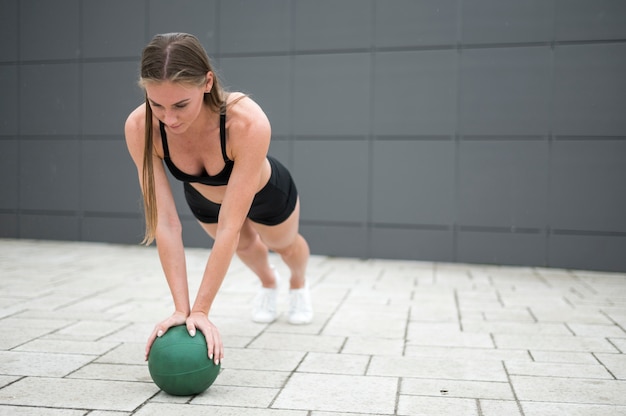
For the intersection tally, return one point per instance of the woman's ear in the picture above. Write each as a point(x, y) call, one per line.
point(209, 82)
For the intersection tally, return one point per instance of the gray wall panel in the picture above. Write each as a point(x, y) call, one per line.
point(333, 193)
point(49, 99)
point(413, 182)
point(588, 185)
point(507, 21)
point(583, 20)
point(409, 23)
point(416, 244)
point(503, 183)
point(191, 16)
point(109, 93)
point(268, 81)
point(115, 230)
point(49, 227)
point(598, 252)
point(250, 26)
point(505, 91)
point(335, 239)
point(590, 90)
point(100, 41)
point(501, 248)
point(193, 234)
point(9, 178)
point(9, 29)
point(49, 29)
point(9, 227)
point(281, 150)
point(415, 92)
point(9, 100)
point(107, 170)
point(50, 175)
point(318, 108)
point(344, 24)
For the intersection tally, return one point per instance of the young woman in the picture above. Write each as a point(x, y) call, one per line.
point(216, 143)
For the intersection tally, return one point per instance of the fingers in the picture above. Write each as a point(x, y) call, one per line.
point(160, 329)
point(218, 347)
point(156, 332)
point(191, 328)
point(215, 348)
point(214, 344)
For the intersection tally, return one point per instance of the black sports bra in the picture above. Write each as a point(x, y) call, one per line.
point(217, 180)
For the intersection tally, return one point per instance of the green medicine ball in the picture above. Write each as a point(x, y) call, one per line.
point(179, 365)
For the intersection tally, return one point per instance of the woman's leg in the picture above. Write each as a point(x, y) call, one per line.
point(285, 240)
point(252, 252)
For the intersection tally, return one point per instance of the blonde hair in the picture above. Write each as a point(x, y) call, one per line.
point(174, 57)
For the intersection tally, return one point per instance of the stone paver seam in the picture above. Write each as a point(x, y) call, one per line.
point(479, 408)
point(585, 284)
point(367, 366)
point(405, 336)
point(149, 399)
point(343, 344)
point(508, 377)
point(593, 354)
point(398, 390)
point(499, 298)
point(617, 324)
point(330, 315)
point(95, 357)
point(13, 382)
point(458, 310)
point(291, 373)
point(566, 325)
point(542, 278)
point(257, 336)
point(493, 340)
point(36, 338)
point(614, 346)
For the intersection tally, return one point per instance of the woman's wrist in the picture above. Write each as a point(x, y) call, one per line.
point(200, 311)
point(182, 312)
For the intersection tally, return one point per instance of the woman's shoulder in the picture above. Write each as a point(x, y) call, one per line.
point(136, 119)
point(135, 131)
point(242, 112)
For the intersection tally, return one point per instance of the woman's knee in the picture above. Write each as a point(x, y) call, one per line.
point(296, 247)
point(248, 239)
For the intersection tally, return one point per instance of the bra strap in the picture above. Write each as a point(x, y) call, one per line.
point(166, 150)
point(223, 132)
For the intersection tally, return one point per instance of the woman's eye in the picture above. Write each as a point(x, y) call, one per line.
point(181, 105)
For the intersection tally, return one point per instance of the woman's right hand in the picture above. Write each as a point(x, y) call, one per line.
point(178, 318)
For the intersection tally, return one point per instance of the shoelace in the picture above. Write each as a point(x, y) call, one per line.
point(264, 301)
point(298, 303)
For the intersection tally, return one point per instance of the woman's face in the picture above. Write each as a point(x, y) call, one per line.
point(177, 105)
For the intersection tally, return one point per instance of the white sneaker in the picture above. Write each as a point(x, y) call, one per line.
point(264, 308)
point(300, 309)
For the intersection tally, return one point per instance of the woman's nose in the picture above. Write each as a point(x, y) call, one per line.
point(169, 117)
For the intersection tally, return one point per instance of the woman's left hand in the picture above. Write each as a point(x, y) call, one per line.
point(199, 321)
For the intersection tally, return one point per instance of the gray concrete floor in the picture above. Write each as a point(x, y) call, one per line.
point(389, 338)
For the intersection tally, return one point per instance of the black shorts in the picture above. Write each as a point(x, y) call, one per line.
point(271, 205)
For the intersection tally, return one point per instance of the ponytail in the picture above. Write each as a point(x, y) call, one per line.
point(147, 183)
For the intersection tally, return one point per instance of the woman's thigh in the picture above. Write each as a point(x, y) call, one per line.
point(280, 236)
point(275, 237)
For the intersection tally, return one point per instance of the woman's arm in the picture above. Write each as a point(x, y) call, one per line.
point(168, 230)
point(248, 142)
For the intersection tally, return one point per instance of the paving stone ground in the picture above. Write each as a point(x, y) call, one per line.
point(389, 338)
